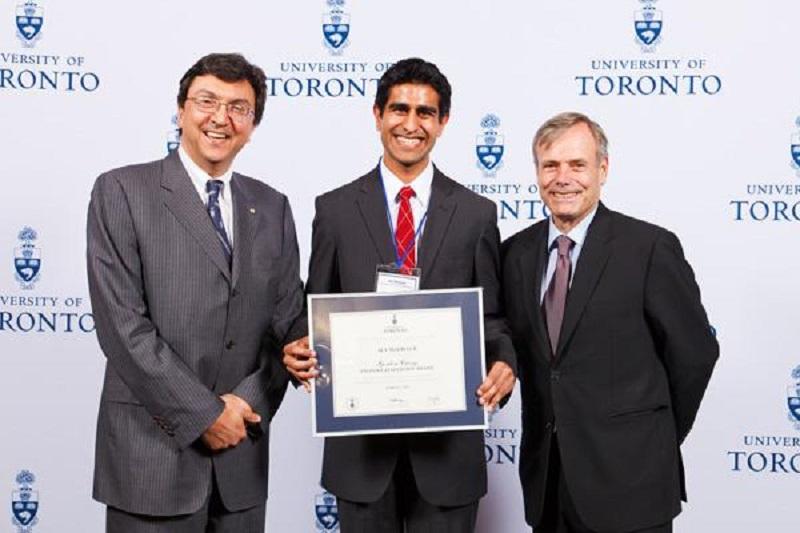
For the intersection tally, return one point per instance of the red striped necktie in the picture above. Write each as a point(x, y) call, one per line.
point(404, 230)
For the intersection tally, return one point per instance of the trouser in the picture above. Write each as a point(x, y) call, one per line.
point(559, 514)
point(402, 509)
point(212, 517)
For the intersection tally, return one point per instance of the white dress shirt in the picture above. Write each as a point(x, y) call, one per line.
point(199, 179)
point(419, 202)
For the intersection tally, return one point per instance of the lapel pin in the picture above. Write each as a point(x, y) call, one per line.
point(252, 210)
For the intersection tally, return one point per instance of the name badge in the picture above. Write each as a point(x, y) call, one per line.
point(390, 278)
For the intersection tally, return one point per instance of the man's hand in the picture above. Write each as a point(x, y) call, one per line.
point(301, 361)
point(228, 430)
point(497, 385)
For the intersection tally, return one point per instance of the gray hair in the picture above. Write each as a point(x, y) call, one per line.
point(557, 125)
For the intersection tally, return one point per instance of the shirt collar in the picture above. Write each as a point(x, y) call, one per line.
point(577, 234)
point(200, 176)
point(421, 184)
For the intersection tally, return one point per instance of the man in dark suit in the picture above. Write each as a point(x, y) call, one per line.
point(425, 481)
point(193, 275)
point(615, 349)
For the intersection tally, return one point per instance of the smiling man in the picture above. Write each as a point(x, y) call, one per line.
point(405, 216)
point(193, 275)
point(615, 349)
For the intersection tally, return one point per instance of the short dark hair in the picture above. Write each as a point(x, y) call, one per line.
point(230, 68)
point(414, 70)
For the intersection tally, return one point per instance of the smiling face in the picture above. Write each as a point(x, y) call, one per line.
point(570, 175)
point(409, 125)
point(213, 139)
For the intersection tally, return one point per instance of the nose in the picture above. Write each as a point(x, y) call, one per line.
point(562, 174)
point(220, 116)
point(411, 122)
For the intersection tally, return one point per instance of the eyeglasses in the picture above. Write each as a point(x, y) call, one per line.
point(238, 111)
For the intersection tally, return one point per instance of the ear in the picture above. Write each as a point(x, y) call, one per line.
point(180, 116)
point(250, 135)
point(378, 113)
point(443, 122)
point(603, 170)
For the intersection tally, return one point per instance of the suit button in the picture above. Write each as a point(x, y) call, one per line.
point(548, 426)
point(230, 345)
point(555, 376)
point(234, 293)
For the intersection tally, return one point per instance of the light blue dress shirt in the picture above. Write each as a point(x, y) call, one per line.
point(578, 235)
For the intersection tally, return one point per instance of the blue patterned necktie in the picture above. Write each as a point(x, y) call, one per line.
point(214, 188)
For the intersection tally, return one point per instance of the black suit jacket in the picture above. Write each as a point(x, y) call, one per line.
point(459, 247)
point(634, 357)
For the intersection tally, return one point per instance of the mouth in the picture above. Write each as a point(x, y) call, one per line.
point(408, 142)
point(564, 195)
point(216, 136)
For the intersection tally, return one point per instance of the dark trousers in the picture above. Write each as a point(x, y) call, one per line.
point(212, 517)
point(401, 509)
point(559, 514)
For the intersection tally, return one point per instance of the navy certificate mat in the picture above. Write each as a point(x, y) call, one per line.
point(469, 300)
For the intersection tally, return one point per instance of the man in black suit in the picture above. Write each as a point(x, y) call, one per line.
point(615, 353)
point(424, 481)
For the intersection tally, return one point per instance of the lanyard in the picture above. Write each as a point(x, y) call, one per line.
point(400, 255)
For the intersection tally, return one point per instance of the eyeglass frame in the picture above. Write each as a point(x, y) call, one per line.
point(236, 117)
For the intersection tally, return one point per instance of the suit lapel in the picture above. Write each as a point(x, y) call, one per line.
point(591, 263)
point(372, 207)
point(244, 224)
point(181, 198)
point(440, 212)
point(532, 265)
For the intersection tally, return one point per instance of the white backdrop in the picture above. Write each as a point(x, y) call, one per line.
point(701, 126)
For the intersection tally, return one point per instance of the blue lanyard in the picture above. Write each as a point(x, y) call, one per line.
point(400, 255)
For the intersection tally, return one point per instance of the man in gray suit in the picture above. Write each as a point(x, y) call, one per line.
point(193, 275)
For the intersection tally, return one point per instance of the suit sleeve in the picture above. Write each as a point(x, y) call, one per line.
point(268, 383)
point(323, 267)
point(683, 336)
point(323, 274)
point(157, 377)
point(487, 271)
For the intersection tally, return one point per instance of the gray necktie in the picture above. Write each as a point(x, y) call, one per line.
point(555, 298)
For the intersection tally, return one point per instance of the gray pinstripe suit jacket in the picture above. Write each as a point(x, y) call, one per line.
point(179, 328)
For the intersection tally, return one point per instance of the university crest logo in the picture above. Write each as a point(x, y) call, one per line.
point(336, 27)
point(795, 147)
point(24, 503)
point(27, 259)
point(648, 23)
point(793, 398)
point(489, 146)
point(29, 18)
point(173, 135)
point(327, 513)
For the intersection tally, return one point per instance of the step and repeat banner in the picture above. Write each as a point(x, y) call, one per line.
point(701, 103)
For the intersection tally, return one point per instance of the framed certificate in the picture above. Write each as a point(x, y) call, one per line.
point(397, 363)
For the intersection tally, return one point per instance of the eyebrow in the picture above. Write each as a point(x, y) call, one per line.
point(568, 161)
point(206, 92)
point(401, 106)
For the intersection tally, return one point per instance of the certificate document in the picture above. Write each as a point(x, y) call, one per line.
point(403, 361)
point(397, 363)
